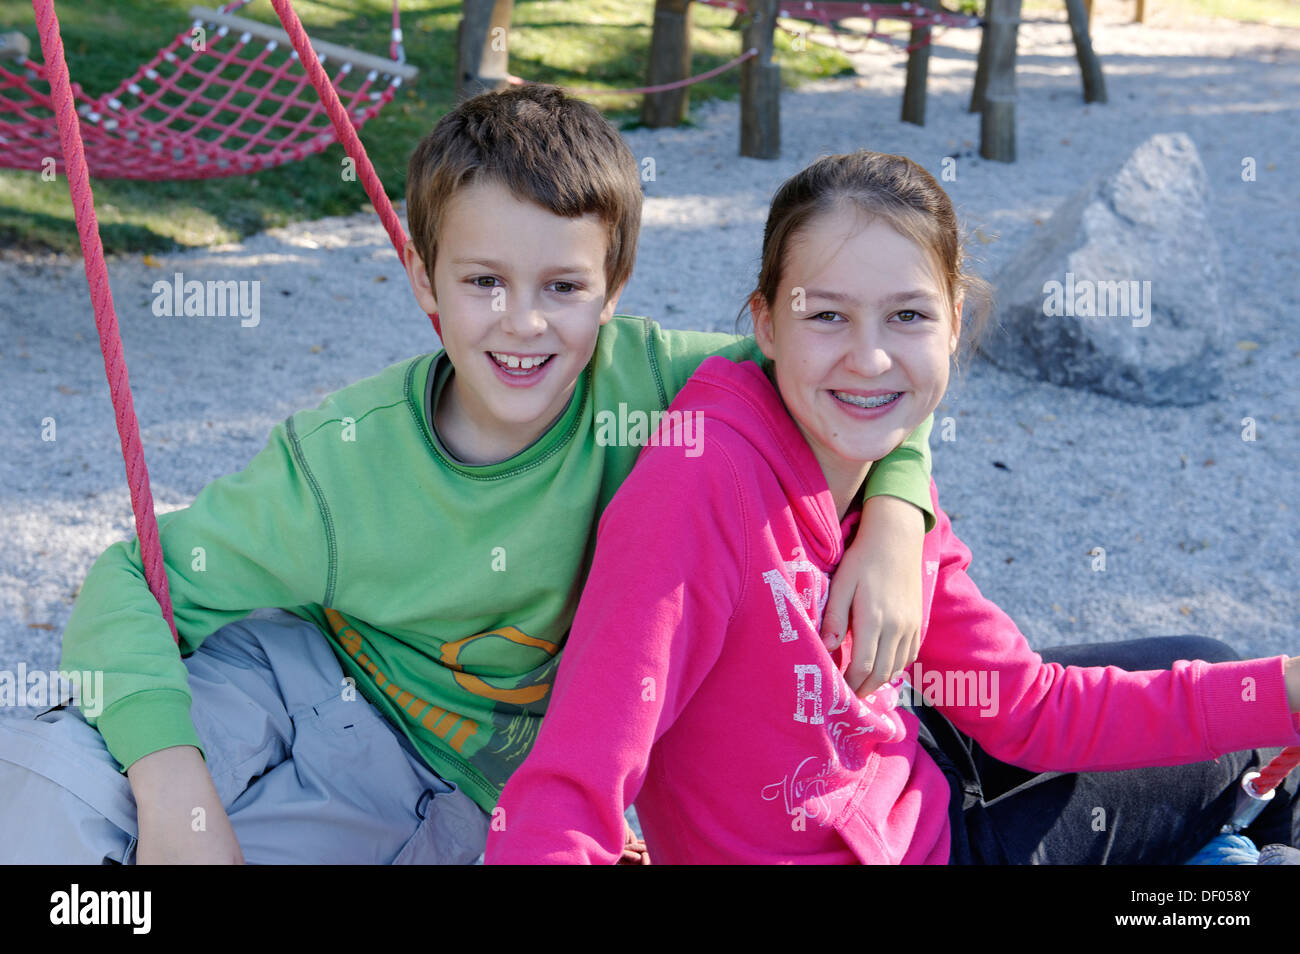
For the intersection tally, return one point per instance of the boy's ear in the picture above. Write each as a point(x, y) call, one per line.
point(763, 332)
point(611, 306)
point(419, 278)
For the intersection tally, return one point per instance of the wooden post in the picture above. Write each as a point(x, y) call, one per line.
point(981, 71)
point(760, 86)
point(1087, 8)
point(482, 60)
point(1094, 85)
point(998, 116)
point(1141, 15)
point(670, 60)
point(918, 71)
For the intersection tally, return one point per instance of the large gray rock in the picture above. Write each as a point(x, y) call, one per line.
point(1120, 291)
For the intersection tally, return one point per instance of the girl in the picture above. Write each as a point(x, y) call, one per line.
point(694, 681)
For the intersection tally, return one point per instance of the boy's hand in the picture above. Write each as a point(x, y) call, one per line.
point(880, 577)
point(179, 813)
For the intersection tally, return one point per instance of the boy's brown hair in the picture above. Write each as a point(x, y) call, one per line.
point(543, 146)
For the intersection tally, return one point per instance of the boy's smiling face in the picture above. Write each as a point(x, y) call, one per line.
point(521, 296)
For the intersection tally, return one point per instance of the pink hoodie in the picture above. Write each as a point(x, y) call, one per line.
point(694, 683)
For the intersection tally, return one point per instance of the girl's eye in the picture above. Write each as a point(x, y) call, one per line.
point(565, 287)
point(480, 279)
point(911, 317)
point(826, 316)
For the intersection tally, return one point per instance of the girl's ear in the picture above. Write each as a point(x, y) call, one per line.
point(763, 331)
point(955, 337)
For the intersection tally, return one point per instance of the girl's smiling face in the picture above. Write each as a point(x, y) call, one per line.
point(861, 334)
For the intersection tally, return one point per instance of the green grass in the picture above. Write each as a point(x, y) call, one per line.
point(599, 44)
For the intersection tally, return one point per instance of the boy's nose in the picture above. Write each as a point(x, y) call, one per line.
point(524, 319)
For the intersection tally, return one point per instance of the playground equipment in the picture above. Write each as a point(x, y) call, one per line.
point(183, 115)
point(483, 60)
point(177, 117)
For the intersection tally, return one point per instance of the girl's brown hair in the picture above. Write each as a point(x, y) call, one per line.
point(895, 190)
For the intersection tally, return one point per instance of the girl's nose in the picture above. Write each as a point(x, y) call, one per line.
point(867, 355)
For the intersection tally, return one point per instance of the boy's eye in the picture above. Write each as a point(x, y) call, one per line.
point(484, 281)
point(826, 316)
point(911, 317)
point(565, 287)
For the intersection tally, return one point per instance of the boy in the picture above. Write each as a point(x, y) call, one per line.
point(427, 531)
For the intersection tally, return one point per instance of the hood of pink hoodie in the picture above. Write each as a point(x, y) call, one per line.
point(741, 396)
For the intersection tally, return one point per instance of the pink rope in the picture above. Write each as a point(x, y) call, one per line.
point(661, 88)
point(837, 32)
point(821, 9)
point(395, 51)
point(101, 297)
point(1271, 776)
point(345, 131)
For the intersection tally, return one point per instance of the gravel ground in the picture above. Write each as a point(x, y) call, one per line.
point(1198, 525)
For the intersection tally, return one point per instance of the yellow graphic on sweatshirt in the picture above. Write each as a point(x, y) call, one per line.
point(434, 718)
point(518, 696)
point(455, 656)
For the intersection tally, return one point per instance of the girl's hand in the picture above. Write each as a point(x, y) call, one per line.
point(634, 849)
point(880, 577)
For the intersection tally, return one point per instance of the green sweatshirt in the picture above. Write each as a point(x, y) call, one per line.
point(445, 589)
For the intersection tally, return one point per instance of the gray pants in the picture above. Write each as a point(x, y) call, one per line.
point(308, 771)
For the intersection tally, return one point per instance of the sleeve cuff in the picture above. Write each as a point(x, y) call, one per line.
point(147, 722)
point(1245, 705)
point(897, 478)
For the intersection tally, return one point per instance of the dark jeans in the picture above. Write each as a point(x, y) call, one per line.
point(1001, 814)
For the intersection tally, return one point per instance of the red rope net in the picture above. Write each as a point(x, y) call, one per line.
point(828, 14)
point(234, 106)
